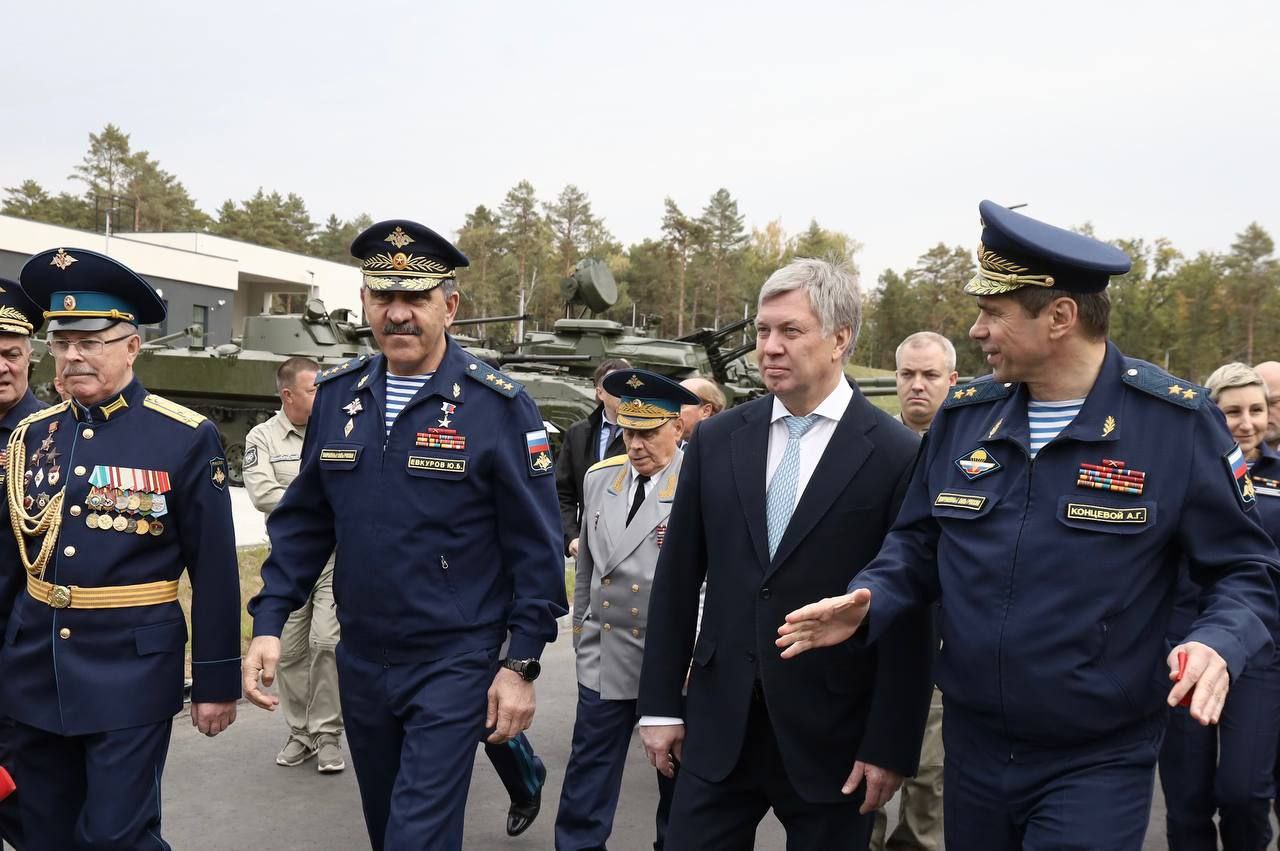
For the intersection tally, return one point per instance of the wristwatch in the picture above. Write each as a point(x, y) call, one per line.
point(527, 668)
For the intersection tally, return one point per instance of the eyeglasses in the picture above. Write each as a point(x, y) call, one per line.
point(89, 346)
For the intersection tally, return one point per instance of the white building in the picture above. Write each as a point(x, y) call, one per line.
point(204, 280)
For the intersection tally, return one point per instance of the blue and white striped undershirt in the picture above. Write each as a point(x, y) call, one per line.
point(1048, 419)
point(400, 389)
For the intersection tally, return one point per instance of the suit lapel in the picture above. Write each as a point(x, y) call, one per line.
point(613, 516)
point(750, 453)
point(846, 452)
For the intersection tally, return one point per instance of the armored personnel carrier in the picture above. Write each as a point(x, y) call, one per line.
point(591, 289)
point(234, 384)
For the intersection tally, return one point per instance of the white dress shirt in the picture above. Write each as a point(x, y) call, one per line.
point(812, 445)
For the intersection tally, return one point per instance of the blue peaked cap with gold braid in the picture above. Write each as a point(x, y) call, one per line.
point(1017, 251)
point(18, 313)
point(400, 255)
point(647, 399)
point(82, 290)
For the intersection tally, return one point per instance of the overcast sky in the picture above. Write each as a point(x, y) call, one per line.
point(888, 121)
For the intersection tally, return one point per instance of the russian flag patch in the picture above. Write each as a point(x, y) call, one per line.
point(539, 449)
point(1239, 471)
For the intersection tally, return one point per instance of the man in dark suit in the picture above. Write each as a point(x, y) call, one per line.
point(779, 499)
point(587, 442)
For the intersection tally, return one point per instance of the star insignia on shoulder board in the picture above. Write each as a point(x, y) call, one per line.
point(1175, 389)
point(1188, 393)
point(490, 378)
point(959, 394)
point(972, 391)
point(506, 385)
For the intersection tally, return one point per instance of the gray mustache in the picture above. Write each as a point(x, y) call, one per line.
point(403, 328)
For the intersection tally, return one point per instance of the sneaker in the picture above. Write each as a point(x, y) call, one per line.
point(294, 752)
point(331, 759)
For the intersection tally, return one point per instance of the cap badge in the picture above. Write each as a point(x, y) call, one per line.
point(634, 382)
point(399, 238)
point(62, 260)
point(68, 302)
point(399, 261)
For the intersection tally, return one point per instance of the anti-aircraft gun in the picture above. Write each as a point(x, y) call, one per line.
point(590, 291)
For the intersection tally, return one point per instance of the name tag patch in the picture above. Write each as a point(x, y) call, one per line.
point(1105, 513)
point(959, 500)
point(438, 465)
point(340, 456)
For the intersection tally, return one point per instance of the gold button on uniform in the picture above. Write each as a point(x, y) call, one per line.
point(79, 470)
point(68, 551)
point(605, 604)
point(64, 633)
point(75, 511)
point(608, 627)
point(87, 434)
point(635, 589)
point(635, 611)
point(604, 581)
point(636, 633)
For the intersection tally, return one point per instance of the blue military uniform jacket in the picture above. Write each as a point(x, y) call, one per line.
point(79, 671)
point(25, 407)
point(1055, 595)
point(447, 532)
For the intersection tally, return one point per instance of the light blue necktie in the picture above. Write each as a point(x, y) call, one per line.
point(780, 501)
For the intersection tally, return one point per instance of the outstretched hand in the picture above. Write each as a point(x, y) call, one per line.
point(827, 622)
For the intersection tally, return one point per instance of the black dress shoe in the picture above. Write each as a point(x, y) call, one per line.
point(522, 813)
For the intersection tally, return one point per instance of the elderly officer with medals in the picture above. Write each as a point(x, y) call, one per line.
point(625, 510)
point(111, 495)
point(1049, 511)
point(19, 318)
point(431, 474)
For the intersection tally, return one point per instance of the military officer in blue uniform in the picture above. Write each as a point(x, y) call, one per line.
point(1048, 512)
point(111, 495)
point(431, 474)
point(19, 319)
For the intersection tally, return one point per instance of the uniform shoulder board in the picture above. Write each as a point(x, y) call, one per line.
point(983, 390)
point(494, 380)
point(341, 369)
point(44, 412)
point(173, 410)
point(1151, 379)
point(608, 462)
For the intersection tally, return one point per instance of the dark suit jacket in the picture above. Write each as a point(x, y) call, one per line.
point(828, 707)
point(577, 454)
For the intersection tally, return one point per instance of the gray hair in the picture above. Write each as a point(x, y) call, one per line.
point(832, 287)
point(920, 339)
point(1232, 375)
point(448, 287)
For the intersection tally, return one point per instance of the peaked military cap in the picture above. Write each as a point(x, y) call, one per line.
point(1017, 251)
point(648, 399)
point(82, 290)
point(18, 313)
point(402, 255)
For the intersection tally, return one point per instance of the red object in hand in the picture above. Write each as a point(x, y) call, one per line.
point(7, 786)
point(1182, 672)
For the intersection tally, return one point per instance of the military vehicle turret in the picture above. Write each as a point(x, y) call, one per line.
point(591, 289)
point(234, 384)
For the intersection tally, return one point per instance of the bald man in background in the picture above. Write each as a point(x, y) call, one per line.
point(1270, 372)
point(711, 402)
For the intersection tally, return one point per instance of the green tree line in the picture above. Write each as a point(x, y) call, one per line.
point(702, 267)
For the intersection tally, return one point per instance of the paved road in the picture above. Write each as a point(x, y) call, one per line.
point(228, 793)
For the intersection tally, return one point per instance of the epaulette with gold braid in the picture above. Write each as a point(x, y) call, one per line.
point(173, 410)
point(45, 412)
point(608, 462)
